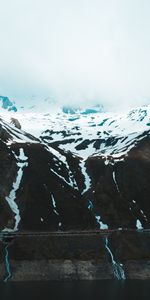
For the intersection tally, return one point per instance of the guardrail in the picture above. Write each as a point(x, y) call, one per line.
point(102, 232)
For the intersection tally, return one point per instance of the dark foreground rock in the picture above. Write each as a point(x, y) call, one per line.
point(75, 256)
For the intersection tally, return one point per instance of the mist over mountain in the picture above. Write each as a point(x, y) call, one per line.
point(76, 52)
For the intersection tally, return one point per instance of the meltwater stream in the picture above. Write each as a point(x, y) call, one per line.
point(7, 264)
point(118, 270)
point(117, 267)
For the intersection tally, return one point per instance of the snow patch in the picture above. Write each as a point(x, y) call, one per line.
point(87, 181)
point(54, 205)
point(115, 181)
point(101, 224)
point(139, 225)
point(21, 163)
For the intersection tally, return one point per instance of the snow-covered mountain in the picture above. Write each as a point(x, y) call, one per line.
point(107, 134)
point(85, 132)
point(75, 169)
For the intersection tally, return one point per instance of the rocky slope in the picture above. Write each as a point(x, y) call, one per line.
point(81, 171)
point(64, 176)
point(40, 189)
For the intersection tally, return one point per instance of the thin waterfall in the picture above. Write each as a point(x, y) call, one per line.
point(118, 270)
point(7, 264)
point(117, 267)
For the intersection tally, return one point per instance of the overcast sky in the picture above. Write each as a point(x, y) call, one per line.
point(76, 50)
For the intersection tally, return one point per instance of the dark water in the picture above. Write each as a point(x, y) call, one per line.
point(102, 290)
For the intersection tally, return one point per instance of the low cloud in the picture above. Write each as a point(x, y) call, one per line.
point(78, 52)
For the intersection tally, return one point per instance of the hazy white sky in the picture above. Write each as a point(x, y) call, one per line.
point(76, 50)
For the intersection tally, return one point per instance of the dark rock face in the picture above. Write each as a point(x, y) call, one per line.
point(15, 122)
point(45, 189)
point(8, 170)
point(38, 187)
point(122, 202)
point(52, 185)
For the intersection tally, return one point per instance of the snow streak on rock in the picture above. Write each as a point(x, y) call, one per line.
point(90, 205)
point(54, 205)
point(87, 181)
point(97, 218)
point(70, 183)
point(115, 181)
point(101, 224)
point(21, 163)
point(62, 158)
point(139, 225)
point(55, 209)
point(118, 270)
point(143, 215)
